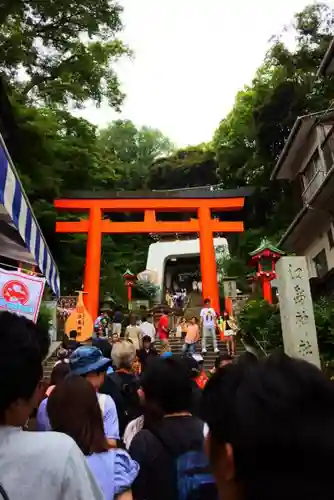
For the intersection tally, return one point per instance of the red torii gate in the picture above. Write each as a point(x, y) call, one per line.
point(150, 204)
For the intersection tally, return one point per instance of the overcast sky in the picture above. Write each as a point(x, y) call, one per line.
point(191, 58)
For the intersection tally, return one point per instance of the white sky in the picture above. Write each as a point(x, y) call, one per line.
point(191, 58)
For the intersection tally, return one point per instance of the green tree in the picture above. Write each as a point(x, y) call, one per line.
point(133, 150)
point(261, 322)
point(188, 167)
point(145, 290)
point(57, 153)
point(249, 140)
point(61, 52)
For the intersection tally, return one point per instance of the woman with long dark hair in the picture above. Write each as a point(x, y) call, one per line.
point(74, 410)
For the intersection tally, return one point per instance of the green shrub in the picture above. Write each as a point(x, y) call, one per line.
point(261, 321)
point(44, 317)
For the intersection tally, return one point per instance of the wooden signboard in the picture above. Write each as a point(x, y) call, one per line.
point(80, 320)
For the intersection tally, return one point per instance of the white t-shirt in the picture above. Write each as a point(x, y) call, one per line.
point(208, 316)
point(147, 328)
point(44, 465)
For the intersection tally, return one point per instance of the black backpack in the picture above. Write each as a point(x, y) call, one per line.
point(127, 400)
point(194, 480)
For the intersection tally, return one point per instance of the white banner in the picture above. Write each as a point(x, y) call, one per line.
point(21, 293)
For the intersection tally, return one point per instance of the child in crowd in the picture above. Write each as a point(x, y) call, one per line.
point(192, 337)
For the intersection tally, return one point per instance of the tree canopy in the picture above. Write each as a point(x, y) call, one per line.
point(61, 52)
point(133, 151)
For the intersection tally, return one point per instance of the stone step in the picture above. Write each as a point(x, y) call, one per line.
point(209, 357)
point(48, 366)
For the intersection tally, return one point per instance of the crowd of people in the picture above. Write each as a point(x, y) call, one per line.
point(257, 428)
point(176, 299)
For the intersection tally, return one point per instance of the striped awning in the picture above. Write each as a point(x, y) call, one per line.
point(21, 237)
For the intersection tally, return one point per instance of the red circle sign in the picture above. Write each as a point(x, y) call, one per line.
point(15, 292)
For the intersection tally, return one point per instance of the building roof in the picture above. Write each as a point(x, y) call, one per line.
point(296, 140)
point(266, 245)
point(202, 193)
point(327, 64)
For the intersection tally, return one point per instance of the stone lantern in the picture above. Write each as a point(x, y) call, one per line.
point(129, 281)
point(264, 259)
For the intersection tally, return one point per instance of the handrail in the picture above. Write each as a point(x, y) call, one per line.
point(256, 342)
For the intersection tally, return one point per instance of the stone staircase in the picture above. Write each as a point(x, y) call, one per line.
point(50, 360)
point(194, 306)
point(209, 358)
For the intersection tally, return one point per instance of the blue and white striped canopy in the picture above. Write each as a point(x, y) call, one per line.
point(16, 211)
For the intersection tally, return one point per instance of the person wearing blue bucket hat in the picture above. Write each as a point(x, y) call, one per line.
point(89, 362)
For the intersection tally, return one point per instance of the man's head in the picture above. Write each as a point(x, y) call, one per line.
point(133, 320)
point(123, 355)
point(271, 430)
point(193, 367)
point(24, 345)
point(114, 338)
point(146, 341)
point(193, 320)
point(73, 334)
point(59, 373)
point(166, 383)
point(89, 362)
point(144, 318)
point(207, 302)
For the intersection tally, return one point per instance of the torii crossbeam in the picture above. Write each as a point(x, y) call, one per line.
point(98, 204)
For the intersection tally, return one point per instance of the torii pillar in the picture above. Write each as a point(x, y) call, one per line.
point(93, 262)
point(208, 258)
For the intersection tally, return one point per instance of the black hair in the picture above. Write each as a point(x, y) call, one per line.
point(147, 338)
point(59, 372)
point(207, 301)
point(24, 345)
point(278, 415)
point(73, 409)
point(192, 366)
point(64, 342)
point(222, 357)
point(144, 318)
point(73, 334)
point(167, 383)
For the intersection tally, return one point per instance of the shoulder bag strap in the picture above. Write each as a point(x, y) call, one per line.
point(3, 493)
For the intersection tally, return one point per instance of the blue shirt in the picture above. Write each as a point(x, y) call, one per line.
point(117, 317)
point(108, 409)
point(114, 471)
